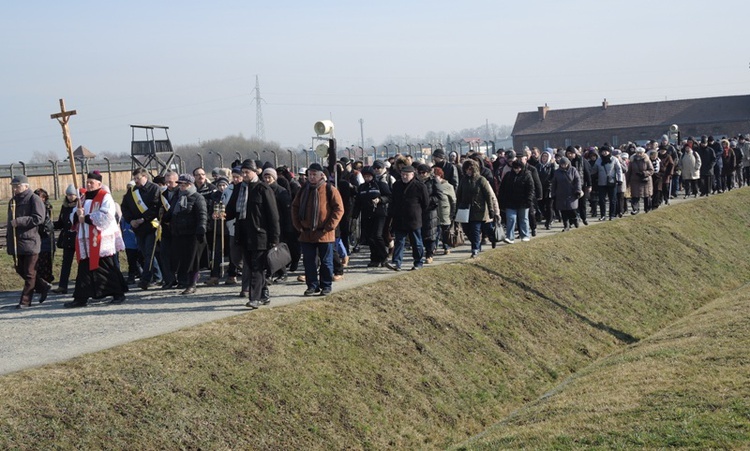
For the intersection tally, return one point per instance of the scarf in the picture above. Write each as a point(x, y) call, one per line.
point(305, 196)
point(242, 199)
point(182, 196)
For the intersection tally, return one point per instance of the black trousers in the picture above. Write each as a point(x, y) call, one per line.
point(372, 231)
point(186, 258)
point(255, 264)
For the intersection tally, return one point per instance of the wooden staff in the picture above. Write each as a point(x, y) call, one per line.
point(13, 224)
point(211, 262)
point(221, 252)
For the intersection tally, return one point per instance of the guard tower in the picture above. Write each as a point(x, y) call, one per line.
point(151, 153)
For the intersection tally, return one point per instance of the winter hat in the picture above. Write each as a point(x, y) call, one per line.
point(236, 170)
point(564, 161)
point(377, 164)
point(94, 175)
point(249, 164)
point(439, 153)
point(368, 170)
point(407, 169)
point(70, 190)
point(272, 172)
point(423, 168)
point(510, 154)
point(221, 180)
point(616, 152)
point(302, 171)
point(186, 178)
point(315, 167)
point(640, 150)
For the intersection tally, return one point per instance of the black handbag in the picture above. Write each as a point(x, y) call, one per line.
point(278, 257)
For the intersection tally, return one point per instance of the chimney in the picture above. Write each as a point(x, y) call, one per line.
point(605, 104)
point(543, 112)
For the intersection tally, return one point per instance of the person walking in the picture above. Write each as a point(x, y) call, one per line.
point(476, 194)
point(97, 243)
point(25, 215)
point(256, 229)
point(410, 200)
point(639, 175)
point(316, 212)
point(371, 204)
point(516, 196)
point(66, 240)
point(690, 169)
point(140, 207)
point(566, 190)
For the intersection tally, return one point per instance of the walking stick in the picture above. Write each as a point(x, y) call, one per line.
point(15, 241)
point(221, 252)
point(211, 262)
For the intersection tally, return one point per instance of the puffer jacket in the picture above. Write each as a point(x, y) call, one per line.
point(690, 165)
point(189, 219)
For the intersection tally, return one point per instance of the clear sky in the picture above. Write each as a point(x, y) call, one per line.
point(404, 67)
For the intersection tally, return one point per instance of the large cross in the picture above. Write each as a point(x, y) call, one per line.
point(63, 117)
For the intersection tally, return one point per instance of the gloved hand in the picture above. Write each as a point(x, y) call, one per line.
point(201, 238)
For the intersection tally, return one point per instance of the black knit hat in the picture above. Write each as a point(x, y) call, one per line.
point(94, 175)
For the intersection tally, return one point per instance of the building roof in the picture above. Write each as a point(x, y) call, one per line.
point(605, 116)
point(82, 152)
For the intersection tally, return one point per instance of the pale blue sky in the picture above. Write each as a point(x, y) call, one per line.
point(404, 67)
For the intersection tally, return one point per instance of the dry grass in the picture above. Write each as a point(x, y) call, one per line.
point(425, 360)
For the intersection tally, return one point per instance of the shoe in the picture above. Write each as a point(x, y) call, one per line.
point(212, 282)
point(585, 222)
point(43, 292)
point(414, 268)
point(265, 300)
point(447, 252)
point(602, 218)
point(325, 292)
point(311, 291)
point(507, 240)
point(429, 260)
point(533, 232)
point(22, 306)
point(301, 278)
point(546, 226)
point(59, 290)
point(355, 249)
point(575, 224)
point(118, 299)
point(244, 294)
point(131, 280)
point(338, 277)
point(474, 254)
point(253, 304)
point(525, 239)
point(75, 304)
point(231, 280)
point(373, 264)
point(189, 290)
point(143, 285)
point(169, 286)
point(392, 266)
point(345, 261)
point(281, 279)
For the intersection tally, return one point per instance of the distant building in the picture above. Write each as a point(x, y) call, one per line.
point(82, 152)
point(637, 122)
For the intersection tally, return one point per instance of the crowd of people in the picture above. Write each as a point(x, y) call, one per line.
point(174, 226)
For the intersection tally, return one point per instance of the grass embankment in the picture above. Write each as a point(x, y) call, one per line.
point(425, 360)
point(688, 386)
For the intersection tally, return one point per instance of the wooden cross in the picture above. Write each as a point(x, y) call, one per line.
point(63, 117)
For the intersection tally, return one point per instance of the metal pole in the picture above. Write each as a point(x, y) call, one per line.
point(374, 153)
point(275, 159)
point(239, 156)
point(257, 154)
point(291, 160)
point(201, 158)
point(23, 167)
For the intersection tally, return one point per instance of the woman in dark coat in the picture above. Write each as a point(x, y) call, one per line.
point(666, 169)
point(476, 194)
point(372, 201)
point(187, 218)
point(517, 197)
point(639, 175)
point(430, 215)
point(44, 275)
point(546, 169)
point(66, 240)
point(566, 190)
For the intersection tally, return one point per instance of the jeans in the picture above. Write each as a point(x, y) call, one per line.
point(417, 248)
point(520, 215)
point(323, 251)
point(473, 231)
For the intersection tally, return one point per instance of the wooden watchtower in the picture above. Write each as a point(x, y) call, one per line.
point(151, 153)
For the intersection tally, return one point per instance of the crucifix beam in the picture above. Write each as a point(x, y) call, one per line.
point(63, 117)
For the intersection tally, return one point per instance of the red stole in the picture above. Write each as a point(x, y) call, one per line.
point(94, 238)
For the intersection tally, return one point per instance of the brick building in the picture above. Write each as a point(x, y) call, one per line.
point(637, 122)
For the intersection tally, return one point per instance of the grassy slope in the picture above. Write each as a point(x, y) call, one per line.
point(686, 386)
point(424, 360)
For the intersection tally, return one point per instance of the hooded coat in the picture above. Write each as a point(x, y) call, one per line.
point(639, 175)
point(566, 188)
point(474, 192)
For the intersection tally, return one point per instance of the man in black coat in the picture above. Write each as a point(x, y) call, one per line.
point(576, 160)
point(708, 161)
point(140, 207)
point(531, 169)
point(410, 200)
point(25, 214)
point(257, 228)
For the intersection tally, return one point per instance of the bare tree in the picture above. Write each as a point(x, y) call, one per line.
point(43, 157)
